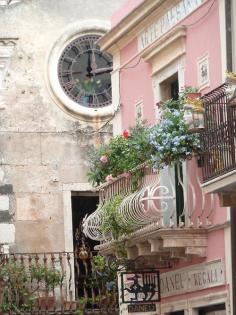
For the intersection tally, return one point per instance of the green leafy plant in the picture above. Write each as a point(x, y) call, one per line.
point(120, 155)
point(20, 284)
point(190, 89)
point(112, 221)
point(231, 75)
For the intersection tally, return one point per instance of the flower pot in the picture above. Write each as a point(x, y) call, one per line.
point(231, 80)
point(69, 305)
point(2, 285)
point(46, 302)
point(193, 95)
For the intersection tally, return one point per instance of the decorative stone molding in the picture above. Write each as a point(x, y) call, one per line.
point(168, 243)
point(166, 50)
point(4, 3)
point(7, 46)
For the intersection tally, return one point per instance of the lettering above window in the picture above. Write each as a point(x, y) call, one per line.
point(166, 22)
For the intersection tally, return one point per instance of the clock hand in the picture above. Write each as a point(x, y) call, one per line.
point(102, 70)
point(89, 69)
point(94, 64)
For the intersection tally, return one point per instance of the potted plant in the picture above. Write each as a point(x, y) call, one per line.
point(171, 139)
point(191, 93)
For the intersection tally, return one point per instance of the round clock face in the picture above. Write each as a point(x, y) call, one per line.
point(84, 72)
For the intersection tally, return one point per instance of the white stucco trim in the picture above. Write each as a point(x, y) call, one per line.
point(116, 98)
point(228, 262)
point(233, 9)
point(222, 38)
point(93, 26)
point(191, 305)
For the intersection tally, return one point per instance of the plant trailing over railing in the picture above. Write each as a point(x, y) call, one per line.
point(120, 155)
point(170, 138)
point(168, 142)
point(112, 220)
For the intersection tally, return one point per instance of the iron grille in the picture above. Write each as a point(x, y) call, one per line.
point(219, 135)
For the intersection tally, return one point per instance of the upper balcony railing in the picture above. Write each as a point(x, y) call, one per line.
point(152, 206)
point(219, 136)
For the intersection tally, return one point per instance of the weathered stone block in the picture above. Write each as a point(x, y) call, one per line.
point(42, 236)
point(20, 148)
point(7, 233)
point(6, 189)
point(5, 216)
point(32, 178)
point(36, 207)
point(60, 149)
point(4, 203)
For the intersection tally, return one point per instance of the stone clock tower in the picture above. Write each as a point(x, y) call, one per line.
point(55, 102)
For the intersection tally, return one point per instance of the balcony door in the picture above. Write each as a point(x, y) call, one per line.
point(173, 176)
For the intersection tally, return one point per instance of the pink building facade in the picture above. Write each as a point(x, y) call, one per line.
point(159, 47)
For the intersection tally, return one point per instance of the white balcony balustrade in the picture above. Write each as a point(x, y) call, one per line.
point(151, 210)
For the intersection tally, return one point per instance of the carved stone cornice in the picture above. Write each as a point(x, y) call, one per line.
point(172, 243)
point(8, 41)
point(5, 3)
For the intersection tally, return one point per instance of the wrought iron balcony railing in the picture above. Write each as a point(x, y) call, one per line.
point(55, 283)
point(219, 137)
point(153, 204)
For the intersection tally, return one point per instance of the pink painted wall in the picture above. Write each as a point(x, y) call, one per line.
point(203, 38)
point(135, 86)
point(124, 10)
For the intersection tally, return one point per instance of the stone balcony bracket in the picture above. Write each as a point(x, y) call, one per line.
point(170, 244)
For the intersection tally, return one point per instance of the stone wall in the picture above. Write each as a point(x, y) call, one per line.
point(41, 146)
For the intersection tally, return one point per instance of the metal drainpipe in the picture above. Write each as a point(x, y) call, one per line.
point(228, 26)
point(229, 61)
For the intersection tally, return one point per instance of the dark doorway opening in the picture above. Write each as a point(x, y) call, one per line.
point(83, 204)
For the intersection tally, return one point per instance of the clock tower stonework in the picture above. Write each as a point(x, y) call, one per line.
point(44, 136)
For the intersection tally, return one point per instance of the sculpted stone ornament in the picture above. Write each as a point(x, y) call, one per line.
point(4, 3)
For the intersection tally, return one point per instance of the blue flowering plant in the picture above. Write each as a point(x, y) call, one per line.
point(170, 138)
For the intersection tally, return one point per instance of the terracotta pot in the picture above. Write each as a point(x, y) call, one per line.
point(193, 95)
point(1, 291)
point(69, 305)
point(46, 302)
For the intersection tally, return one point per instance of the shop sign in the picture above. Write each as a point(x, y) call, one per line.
point(141, 308)
point(191, 279)
point(166, 22)
point(140, 286)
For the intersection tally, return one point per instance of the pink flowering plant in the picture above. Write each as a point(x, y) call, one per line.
point(120, 155)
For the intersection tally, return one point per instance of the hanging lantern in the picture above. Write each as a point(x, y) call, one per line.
point(83, 253)
point(194, 114)
point(82, 248)
point(188, 115)
point(198, 118)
